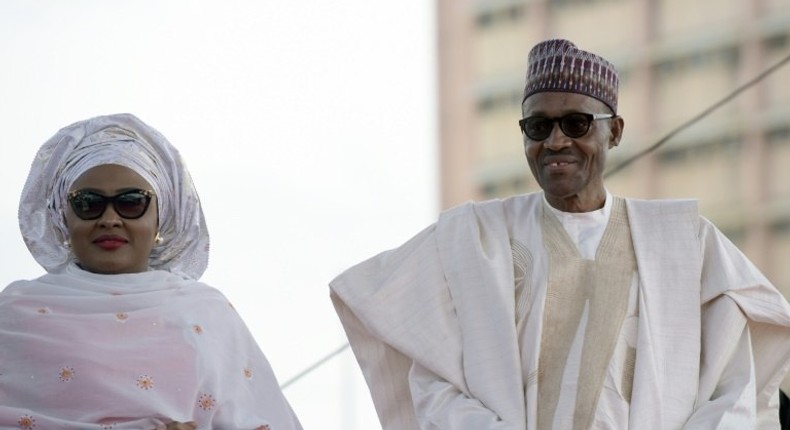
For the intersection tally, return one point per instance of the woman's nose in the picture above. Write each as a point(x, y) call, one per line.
point(110, 218)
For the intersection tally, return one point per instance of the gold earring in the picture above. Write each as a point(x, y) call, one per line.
point(158, 239)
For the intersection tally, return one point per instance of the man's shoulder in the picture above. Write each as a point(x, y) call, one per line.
point(663, 218)
point(493, 205)
point(662, 207)
point(533, 199)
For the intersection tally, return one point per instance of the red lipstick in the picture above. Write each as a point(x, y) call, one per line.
point(110, 242)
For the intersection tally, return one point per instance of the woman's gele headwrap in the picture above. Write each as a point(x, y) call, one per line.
point(125, 140)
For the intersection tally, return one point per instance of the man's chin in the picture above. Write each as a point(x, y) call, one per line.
point(559, 189)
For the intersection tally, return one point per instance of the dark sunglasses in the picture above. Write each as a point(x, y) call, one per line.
point(574, 125)
point(89, 205)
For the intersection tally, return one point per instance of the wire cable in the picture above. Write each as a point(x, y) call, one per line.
point(698, 117)
point(316, 365)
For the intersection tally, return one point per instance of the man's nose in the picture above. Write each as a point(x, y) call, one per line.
point(557, 139)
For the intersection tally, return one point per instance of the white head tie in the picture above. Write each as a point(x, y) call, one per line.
point(113, 139)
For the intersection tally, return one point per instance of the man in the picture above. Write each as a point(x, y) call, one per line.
point(569, 308)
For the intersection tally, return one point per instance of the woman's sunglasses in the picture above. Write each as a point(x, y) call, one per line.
point(89, 205)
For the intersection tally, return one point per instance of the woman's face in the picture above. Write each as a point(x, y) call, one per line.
point(111, 243)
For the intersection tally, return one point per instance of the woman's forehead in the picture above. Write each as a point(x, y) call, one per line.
point(110, 178)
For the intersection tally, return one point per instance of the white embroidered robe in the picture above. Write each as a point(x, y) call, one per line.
point(713, 334)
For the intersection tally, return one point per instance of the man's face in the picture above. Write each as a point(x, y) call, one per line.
point(570, 170)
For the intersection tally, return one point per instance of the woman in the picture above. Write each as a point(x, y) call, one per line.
point(119, 334)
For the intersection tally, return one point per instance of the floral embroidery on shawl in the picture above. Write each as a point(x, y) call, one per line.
point(248, 373)
point(206, 402)
point(66, 374)
point(27, 422)
point(145, 382)
point(197, 329)
point(121, 317)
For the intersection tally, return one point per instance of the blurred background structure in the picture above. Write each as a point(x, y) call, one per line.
point(676, 58)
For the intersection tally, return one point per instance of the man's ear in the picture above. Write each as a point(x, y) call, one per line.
point(616, 131)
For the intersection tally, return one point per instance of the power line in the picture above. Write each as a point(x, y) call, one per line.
point(698, 117)
point(316, 365)
point(616, 169)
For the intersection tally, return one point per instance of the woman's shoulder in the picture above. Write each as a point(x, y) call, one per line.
point(23, 286)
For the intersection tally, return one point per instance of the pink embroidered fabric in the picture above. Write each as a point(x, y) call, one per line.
point(87, 351)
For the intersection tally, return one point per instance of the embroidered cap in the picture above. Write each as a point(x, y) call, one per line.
point(558, 65)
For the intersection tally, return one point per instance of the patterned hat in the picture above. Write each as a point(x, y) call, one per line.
point(558, 65)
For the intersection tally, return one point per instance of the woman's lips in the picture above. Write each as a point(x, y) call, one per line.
point(110, 242)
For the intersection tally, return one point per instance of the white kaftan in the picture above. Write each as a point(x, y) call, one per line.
point(130, 351)
point(712, 334)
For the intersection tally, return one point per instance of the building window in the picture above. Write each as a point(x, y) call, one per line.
point(736, 235)
point(573, 3)
point(489, 190)
point(499, 100)
point(505, 186)
point(700, 150)
point(781, 226)
point(777, 42)
point(493, 16)
point(669, 67)
point(778, 136)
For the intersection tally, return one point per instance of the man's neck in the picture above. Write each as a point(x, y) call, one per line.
point(578, 203)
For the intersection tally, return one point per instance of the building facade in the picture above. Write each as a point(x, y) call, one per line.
point(676, 59)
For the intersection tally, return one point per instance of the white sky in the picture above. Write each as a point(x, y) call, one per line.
point(308, 125)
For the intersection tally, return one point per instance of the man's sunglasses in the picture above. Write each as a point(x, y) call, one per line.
point(89, 205)
point(574, 125)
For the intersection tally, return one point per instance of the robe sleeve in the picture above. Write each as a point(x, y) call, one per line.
point(745, 340)
point(400, 318)
point(439, 405)
point(395, 309)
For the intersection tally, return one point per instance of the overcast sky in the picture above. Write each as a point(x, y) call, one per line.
point(309, 128)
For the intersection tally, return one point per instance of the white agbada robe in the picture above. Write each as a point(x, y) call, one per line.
point(82, 350)
point(713, 335)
